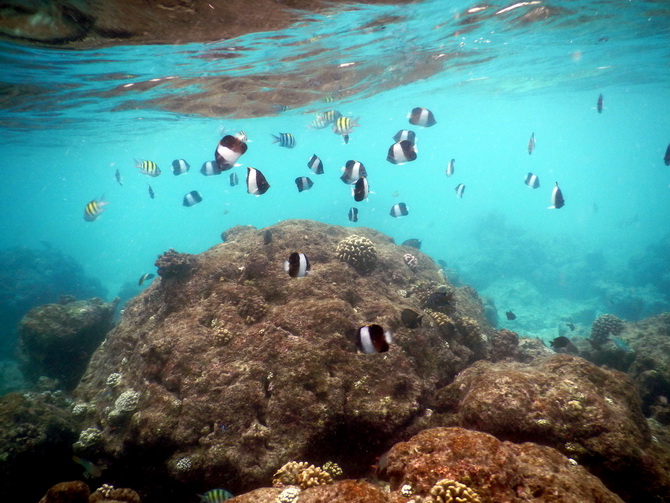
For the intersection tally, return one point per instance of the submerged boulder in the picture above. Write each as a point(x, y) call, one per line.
point(226, 367)
point(57, 340)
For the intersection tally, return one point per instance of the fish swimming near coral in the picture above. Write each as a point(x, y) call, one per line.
point(413, 242)
point(179, 167)
point(563, 345)
point(372, 339)
point(361, 189)
point(510, 315)
point(90, 470)
point(297, 265)
point(423, 117)
point(411, 319)
point(145, 277)
point(215, 496)
point(353, 214)
point(148, 168)
point(399, 210)
point(94, 209)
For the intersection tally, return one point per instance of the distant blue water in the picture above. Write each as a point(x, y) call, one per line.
point(497, 83)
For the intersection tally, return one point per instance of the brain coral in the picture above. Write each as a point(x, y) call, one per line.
point(604, 326)
point(359, 252)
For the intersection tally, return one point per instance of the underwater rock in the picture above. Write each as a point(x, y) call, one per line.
point(492, 469)
point(57, 340)
point(344, 491)
point(590, 414)
point(36, 434)
point(74, 491)
point(172, 264)
point(226, 397)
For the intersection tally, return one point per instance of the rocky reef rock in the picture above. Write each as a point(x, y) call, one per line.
point(588, 413)
point(36, 435)
point(493, 470)
point(219, 376)
point(57, 340)
point(74, 491)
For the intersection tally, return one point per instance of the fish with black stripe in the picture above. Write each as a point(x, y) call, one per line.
point(531, 143)
point(315, 165)
point(179, 167)
point(94, 209)
point(352, 171)
point(402, 152)
point(557, 200)
point(344, 126)
point(405, 134)
point(399, 210)
point(372, 339)
point(303, 183)
point(297, 265)
point(460, 189)
point(361, 189)
point(210, 168)
point(285, 140)
point(229, 150)
point(234, 179)
point(149, 168)
point(353, 214)
point(532, 181)
point(257, 184)
point(192, 198)
point(420, 116)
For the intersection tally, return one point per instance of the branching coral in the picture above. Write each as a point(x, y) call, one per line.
point(448, 491)
point(301, 474)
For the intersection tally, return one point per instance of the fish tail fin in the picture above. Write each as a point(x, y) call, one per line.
point(275, 139)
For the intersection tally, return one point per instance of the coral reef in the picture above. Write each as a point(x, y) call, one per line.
point(67, 492)
point(238, 395)
point(110, 494)
point(411, 261)
point(57, 340)
point(301, 474)
point(451, 491)
point(359, 252)
point(605, 326)
point(172, 264)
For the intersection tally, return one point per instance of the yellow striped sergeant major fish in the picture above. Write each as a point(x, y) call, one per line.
point(148, 168)
point(94, 209)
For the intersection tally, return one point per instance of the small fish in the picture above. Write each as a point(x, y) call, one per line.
point(353, 214)
point(242, 136)
point(234, 179)
point(562, 344)
point(410, 318)
point(352, 171)
point(210, 168)
point(450, 167)
point(666, 159)
point(571, 326)
point(318, 123)
point(557, 200)
point(421, 117)
point(405, 134)
point(267, 237)
point(256, 182)
point(285, 140)
point(361, 189)
point(402, 152)
point(281, 108)
point(179, 167)
point(151, 192)
point(90, 470)
point(599, 104)
point(192, 198)
point(532, 181)
point(531, 143)
point(510, 315)
point(414, 243)
point(117, 175)
point(621, 344)
point(149, 168)
point(303, 183)
point(215, 496)
point(399, 210)
point(372, 339)
point(229, 150)
point(94, 209)
point(331, 116)
point(344, 126)
point(315, 165)
point(145, 277)
point(297, 265)
point(460, 188)
point(442, 262)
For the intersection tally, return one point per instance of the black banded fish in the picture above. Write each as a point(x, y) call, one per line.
point(531, 143)
point(372, 339)
point(281, 108)
point(179, 167)
point(510, 315)
point(315, 164)
point(303, 183)
point(210, 168)
point(215, 496)
point(557, 200)
point(229, 150)
point(420, 116)
point(353, 214)
point(600, 103)
point(234, 179)
point(297, 265)
point(151, 191)
point(413, 242)
point(192, 198)
point(399, 210)
point(285, 140)
point(411, 319)
point(148, 168)
point(256, 182)
point(352, 171)
point(344, 126)
point(145, 277)
point(666, 159)
point(94, 209)
point(532, 181)
point(451, 166)
point(405, 134)
point(117, 175)
point(401, 152)
point(361, 189)
point(460, 188)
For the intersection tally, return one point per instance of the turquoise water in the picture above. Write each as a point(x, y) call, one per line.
point(71, 118)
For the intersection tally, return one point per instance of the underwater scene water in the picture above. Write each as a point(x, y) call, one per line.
point(576, 93)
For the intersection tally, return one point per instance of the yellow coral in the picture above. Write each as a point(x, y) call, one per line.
point(301, 474)
point(450, 491)
point(358, 252)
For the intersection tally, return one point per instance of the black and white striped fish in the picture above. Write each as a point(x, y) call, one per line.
point(180, 166)
point(557, 200)
point(399, 210)
point(372, 339)
point(303, 183)
point(532, 181)
point(315, 165)
point(402, 152)
point(361, 189)
point(285, 140)
point(352, 171)
point(192, 198)
point(297, 265)
point(405, 134)
point(234, 179)
point(229, 150)
point(256, 182)
point(420, 116)
point(353, 214)
point(210, 168)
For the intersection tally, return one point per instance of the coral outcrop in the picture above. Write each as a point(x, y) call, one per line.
point(359, 252)
point(57, 340)
point(225, 397)
point(604, 327)
point(74, 491)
